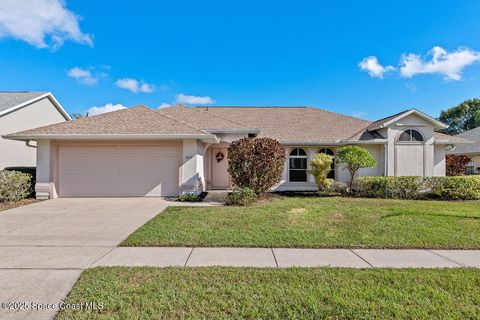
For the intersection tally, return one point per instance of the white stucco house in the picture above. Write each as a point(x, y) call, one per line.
point(144, 152)
point(21, 111)
point(471, 150)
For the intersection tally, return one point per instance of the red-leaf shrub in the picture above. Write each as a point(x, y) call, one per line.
point(456, 164)
point(256, 163)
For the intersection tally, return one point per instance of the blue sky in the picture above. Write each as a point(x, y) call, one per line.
point(245, 53)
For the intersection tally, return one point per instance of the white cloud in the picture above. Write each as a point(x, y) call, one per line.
point(183, 98)
point(109, 107)
point(164, 105)
point(82, 75)
point(41, 23)
point(134, 85)
point(373, 67)
point(448, 64)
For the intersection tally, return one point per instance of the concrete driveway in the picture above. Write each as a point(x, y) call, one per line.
point(45, 246)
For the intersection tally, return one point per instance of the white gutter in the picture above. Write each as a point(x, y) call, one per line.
point(335, 143)
point(453, 142)
point(252, 130)
point(206, 137)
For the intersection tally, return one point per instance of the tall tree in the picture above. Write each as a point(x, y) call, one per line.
point(79, 115)
point(463, 117)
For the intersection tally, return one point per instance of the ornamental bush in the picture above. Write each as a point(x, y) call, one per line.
point(456, 164)
point(256, 163)
point(14, 185)
point(241, 197)
point(32, 171)
point(408, 187)
point(454, 188)
point(188, 197)
point(321, 165)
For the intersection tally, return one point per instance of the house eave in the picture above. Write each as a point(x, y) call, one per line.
point(333, 143)
point(437, 124)
point(220, 130)
point(441, 142)
point(208, 138)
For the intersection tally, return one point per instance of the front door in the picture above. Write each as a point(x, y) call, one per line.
point(220, 176)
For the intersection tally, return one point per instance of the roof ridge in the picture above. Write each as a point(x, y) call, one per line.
point(285, 107)
point(257, 107)
point(340, 114)
point(220, 117)
point(180, 121)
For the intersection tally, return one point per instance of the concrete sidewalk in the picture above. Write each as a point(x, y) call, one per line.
point(283, 258)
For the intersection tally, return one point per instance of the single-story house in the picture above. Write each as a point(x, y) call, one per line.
point(21, 111)
point(144, 152)
point(471, 150)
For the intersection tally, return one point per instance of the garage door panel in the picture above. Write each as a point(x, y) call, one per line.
point(118, 171)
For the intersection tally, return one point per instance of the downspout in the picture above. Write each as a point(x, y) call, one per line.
point(27, 143)
point(385, 173)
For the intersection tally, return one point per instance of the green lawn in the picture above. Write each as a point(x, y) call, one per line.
point(317, 293)
point(318, 222)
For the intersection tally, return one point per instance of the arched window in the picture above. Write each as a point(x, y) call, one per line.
point(411, 135)
point(297, 165)
point(331, 174)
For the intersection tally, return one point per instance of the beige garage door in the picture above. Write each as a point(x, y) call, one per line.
point(120, 170)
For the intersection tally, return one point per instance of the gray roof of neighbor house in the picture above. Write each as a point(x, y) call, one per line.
point(138, 120)
point(11, 99)
point(472, 135)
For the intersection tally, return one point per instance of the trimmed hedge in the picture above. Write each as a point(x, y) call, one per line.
point(388, 187)
point(32, 171)
point(445, 188)
point(14, 185)
point(454, 188)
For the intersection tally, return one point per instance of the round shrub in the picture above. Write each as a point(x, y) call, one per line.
point(14, 185)
point(256, 163)
point(241, 197)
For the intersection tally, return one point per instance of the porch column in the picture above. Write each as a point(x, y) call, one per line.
point(43, 187)
point(192, 176)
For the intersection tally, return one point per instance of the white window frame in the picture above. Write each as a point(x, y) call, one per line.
point(397, 139)
point(297, 157)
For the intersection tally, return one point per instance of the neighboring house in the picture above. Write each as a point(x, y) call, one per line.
point(144, 152)
point(21, 111)
point(471, 150)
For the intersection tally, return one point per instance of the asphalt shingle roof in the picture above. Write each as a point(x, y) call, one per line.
point(472, 135)
point(293, 124)
point(302, 125)
point(11, 99)
point(135, 120)
point(201, 119)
